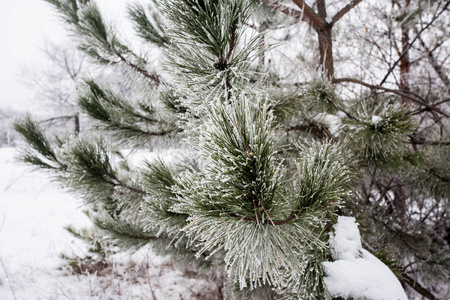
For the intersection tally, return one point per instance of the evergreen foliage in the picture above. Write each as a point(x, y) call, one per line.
point(269, 163)
point(128, 122)
point(148, 23)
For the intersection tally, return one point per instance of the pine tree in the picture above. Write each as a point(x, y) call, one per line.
point(269, 163)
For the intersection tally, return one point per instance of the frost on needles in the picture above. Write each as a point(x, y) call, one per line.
point(270, 166)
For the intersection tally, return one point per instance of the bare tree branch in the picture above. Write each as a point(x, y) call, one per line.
point(345, 10)
point(58, 118)
point(316, 20)
point(415, 141)
point(307, 14)
point(418, 287)
point(436, 66)
point(405, 51)
point(406, 94)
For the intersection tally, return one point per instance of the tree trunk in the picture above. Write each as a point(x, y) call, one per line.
point(405, 61)
point(324, 33)
point(77, 124)
point(326, 51)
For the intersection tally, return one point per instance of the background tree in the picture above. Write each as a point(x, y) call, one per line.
point(347, 125)
point(54, 84)
point(7, 137)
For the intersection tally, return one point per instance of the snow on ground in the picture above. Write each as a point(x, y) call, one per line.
point(355, 272)
point(33, 212)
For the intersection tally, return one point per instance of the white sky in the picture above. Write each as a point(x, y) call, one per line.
point(25, 25)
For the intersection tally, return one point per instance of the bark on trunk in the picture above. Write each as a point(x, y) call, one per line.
point(326, 50)
point(324, 32)
point(405, 61)
point(321, 24)
point(77, 124)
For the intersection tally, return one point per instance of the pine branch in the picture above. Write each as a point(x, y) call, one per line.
point(266, 222)
point(443, 179)
point(121, 232)
point(126, 120)
point(251, 200)
point(154, 78)
point(97, 39)
point(148, 27)
point(314, 128)
point(39, 145)
point(379, 132)
point(120, 183)
point(205, 50)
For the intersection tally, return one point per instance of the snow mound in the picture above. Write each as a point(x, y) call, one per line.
point(356, 273)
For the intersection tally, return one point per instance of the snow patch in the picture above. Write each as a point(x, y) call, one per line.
point(376, 119)
point(346, 242)
point(33, 212)
point(331, 121)
point(356, 273)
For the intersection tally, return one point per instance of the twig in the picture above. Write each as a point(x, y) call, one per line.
point(149, 279)
point(436, 66)
point(406, 94)
point(8, 277)
point(57, 118)
point(12, 182)
point(405, 51)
